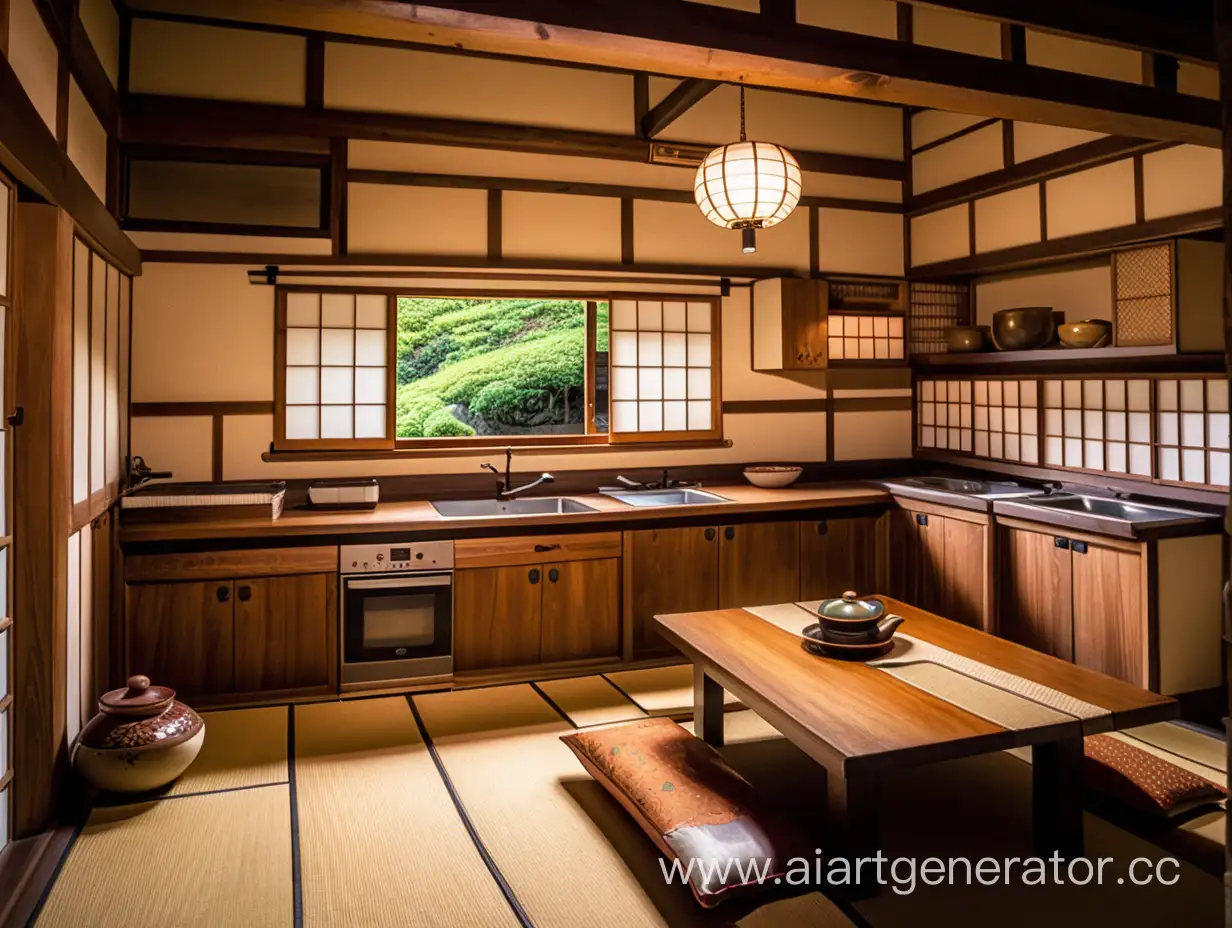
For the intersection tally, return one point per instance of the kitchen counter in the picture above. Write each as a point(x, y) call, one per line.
point(418, 516)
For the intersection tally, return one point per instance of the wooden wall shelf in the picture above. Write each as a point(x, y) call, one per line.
point(1069, 360)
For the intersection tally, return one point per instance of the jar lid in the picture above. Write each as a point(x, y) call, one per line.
point(851, 608)
point(138, 698)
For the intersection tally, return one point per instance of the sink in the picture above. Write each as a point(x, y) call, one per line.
point(969, 487)
point(1100, 508)
point(664, 497)
point(475, 508)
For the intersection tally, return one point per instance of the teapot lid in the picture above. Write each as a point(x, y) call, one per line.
point(851, 607)
point(138, 698)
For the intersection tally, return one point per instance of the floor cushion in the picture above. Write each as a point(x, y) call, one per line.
point(1144, 781)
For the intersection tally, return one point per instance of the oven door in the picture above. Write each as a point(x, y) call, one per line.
point(397, 617)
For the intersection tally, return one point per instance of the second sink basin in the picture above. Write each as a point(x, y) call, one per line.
point(1102, 515)
point(665, 497)
point(1114, 509)
point(475, 508)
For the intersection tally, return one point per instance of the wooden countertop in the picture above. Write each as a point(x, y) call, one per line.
point(419, 516)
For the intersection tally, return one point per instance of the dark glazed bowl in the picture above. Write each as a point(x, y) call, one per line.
point(1089, 333)
point(1023, 329)
point(965, 339)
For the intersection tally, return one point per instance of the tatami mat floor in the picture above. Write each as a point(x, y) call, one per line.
point(465, 809)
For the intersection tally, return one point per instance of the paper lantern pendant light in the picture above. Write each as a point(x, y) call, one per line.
point(747, 185)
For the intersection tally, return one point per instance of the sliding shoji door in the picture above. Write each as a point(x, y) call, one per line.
point(6, 472)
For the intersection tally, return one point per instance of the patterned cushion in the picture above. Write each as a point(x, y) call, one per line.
point(1144, 781)
point(691, 803)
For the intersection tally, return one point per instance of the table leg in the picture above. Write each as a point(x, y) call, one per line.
point(1056, 803)
point(707, 708)
point(855, 814)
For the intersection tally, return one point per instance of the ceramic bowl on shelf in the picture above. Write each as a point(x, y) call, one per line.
point(965, 339)
point(1023, 329)
point(772, 476)
point(1089, 333)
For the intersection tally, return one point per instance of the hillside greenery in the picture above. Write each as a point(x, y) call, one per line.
point(494, 367)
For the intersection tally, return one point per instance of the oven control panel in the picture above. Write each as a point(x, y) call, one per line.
point(379, 559)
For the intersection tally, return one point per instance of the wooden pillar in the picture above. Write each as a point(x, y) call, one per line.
point(43, 308)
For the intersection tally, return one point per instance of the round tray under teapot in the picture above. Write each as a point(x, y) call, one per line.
point(866, 651)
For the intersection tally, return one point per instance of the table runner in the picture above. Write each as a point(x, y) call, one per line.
point(1003, 698)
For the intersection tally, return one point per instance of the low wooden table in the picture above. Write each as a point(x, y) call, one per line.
point(858, 721)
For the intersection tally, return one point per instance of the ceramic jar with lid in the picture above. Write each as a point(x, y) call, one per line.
point(141, 739)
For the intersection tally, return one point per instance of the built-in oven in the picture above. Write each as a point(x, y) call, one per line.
point(396, 614)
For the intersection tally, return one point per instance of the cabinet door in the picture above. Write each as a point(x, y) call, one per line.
point(285, 633)
point(181, 635)
point(581, 610)
point(1109, 613)
point(1037, 592)
point(965, 573)
point(759, 564)
point(917, 559)
point(837, 555)
point(497, 616)
point(668, 570)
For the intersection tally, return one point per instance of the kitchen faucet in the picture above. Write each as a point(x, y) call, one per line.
point(504, 490)
point(667, 483)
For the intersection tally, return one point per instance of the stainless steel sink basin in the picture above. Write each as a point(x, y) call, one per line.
point(1100, 508)
point(474, 508)
point(664, 497)
point(954, 485)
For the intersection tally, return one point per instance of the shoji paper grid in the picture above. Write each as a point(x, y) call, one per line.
point(661, 366)
point(1102, 425)
point(945, 415)
point(336, 365)
point(1006, 420)
point(1191, 429)
point(866, 337)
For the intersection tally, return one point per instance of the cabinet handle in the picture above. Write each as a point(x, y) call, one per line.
point(710, 533)
point(1061, 542)
point(553, 574)
point(542, 548)
point(1078, 547)
point(823, 527)
point(223, 593)
point(245, 593)
point(534, 575)
point(921, 519)
point(729, 533)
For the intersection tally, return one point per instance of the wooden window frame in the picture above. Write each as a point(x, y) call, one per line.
point(348, 447)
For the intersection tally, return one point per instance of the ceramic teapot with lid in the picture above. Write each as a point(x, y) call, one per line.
point(852, 620)
point(141, 739)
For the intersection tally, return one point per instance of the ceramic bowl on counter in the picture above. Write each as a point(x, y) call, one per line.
point(772, 476)
point(965, 339)
point(1023, 329)
point(1089, 333)
point(141, 739)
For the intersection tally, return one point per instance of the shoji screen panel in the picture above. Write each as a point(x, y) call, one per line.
point(98, 374)
point(81, 372)
point(664, 371)
point(1191, 428)
point(7, 200)
point(1006, 419)
point(1098, 425)
point(945, 416)
point(866, 338)
point(337, 375)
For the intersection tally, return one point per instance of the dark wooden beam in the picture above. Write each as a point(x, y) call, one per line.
point(1069, 247)
point(30, 153)
point(683, 97)
point(1098, 21)
point(1087, 155)
point(66, 30)
point(211, 123)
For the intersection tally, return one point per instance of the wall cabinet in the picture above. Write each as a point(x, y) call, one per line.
point(837, 555)
point(542, 608)
point(759, 564)
point(667, 570)
point(941, 561)
point(790, 324)
point(233, 637)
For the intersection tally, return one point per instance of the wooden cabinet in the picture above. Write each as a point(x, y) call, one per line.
point(285, 633)
point(837, 555)
point(497, 617)
point(668, 570)
point(789, 324)
point(759, 563)
point(1079, 599)
point(182, 635)
point(941, 560)
point(232, 637)
point(1037, 587)
point(559, 600)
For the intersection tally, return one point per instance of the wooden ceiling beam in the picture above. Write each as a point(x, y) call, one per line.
point(715, 43)
point(159, 120)
point(683, 98)
point(64, 24)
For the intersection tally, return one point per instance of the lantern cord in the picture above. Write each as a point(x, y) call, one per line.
point(743, 136)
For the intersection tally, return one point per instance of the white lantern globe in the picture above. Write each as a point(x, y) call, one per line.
point(748, 185)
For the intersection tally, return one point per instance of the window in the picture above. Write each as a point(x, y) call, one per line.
point(377, 370)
